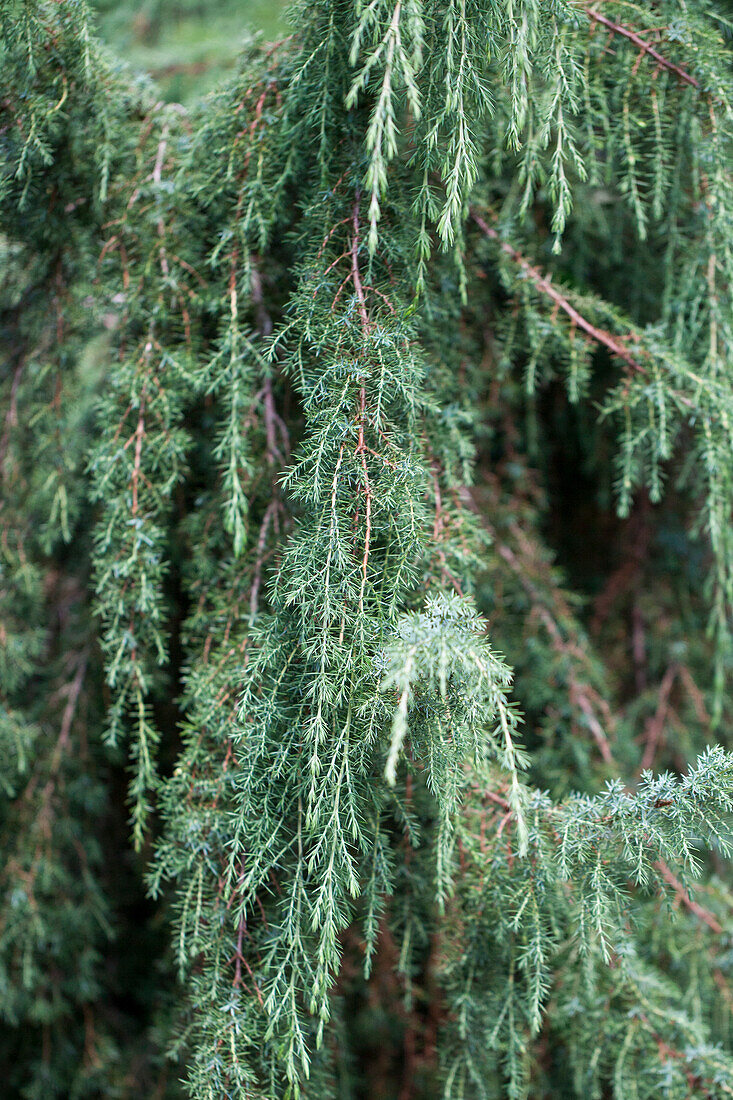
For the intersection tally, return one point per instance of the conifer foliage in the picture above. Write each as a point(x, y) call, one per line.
point(366, 560)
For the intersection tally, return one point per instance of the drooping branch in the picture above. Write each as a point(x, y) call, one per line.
point(543, 283)
point(646, 47)
point(703, 914)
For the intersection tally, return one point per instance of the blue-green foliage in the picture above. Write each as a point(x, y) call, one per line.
point(286, 375)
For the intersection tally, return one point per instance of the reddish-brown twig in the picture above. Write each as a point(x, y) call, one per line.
point(704, 914)
point(646, 47)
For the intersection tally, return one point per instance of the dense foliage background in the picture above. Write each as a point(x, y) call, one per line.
point(366, 560)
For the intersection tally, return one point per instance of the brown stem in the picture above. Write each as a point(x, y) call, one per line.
point(627, 32)
point(542, 282)
point(704, 914)
point(139, 433)
point(655, 725)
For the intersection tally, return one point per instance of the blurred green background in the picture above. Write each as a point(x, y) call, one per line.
point(186, 45)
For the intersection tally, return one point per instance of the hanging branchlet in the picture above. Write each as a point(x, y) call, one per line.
point(305, 388)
